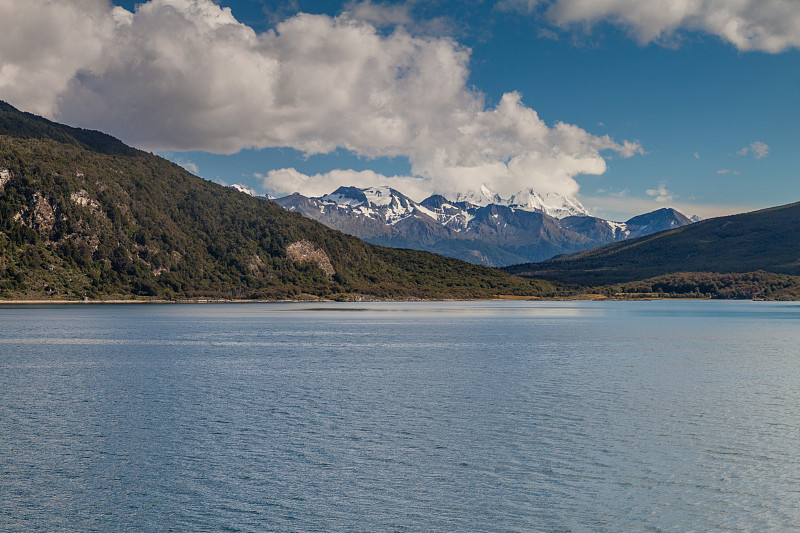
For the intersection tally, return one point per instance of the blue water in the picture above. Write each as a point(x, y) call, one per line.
point(489, 416)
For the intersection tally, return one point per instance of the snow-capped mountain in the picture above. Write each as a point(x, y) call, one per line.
point(488, 229)
point(378, 203)
point(481, 198)
point(452, 215)
point(553, 204)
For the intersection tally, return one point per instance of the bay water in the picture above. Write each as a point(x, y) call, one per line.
point(435, 416)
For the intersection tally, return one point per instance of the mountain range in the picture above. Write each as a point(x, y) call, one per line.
point(479, 227)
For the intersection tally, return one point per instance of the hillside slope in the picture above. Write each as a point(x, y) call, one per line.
point(767, 240)
point(84, 216)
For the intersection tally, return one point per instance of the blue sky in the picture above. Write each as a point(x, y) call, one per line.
point(629, 105)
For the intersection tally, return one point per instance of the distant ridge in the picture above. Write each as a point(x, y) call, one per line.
point(767, 240)
point(22, 125)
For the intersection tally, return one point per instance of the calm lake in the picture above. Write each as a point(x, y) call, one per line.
point(487, 416)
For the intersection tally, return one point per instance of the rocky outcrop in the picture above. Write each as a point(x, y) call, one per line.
point(305, 252)
point(39, 215)
point(5, 177)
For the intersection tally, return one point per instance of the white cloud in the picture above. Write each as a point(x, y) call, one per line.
point(765, 25)
point(286, 181)
point(186, 75)
point(245, 189)
point(43, 45)
point(724, 171)
point(697, 155)
point(759, 150)
point(188, 165)
point(661, 194)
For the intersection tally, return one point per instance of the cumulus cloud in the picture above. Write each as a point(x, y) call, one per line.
point(661, 194)
point(188, 165)
point(245, 189)
point(765, 25)
point(43, 46)
point(186, 75)
point(759, 150)
point(288, 180)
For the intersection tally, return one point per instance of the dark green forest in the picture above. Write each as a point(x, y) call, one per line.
point(759, 285)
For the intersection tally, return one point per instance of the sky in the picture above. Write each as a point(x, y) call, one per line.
point(629, 105)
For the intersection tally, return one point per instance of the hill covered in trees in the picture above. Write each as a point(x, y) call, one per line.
point(82, 215)
point(753, 254)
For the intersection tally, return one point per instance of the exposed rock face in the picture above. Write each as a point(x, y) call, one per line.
point(82, 198)
point(5, 177)
point(40, 215)
point(255, 263)
point(305, 252)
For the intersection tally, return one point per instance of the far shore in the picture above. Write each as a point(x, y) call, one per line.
point(365, 299)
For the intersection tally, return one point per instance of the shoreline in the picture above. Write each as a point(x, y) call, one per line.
point(499, 298)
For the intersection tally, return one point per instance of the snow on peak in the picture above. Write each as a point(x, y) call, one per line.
point(373, 196)
point(381, 196)
point(482, 197)
point(553, 204)
point(390, 206)
point(380, 203)
point(528, 200)
point(345, 196)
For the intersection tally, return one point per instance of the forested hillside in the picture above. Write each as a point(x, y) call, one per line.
point(751, 255)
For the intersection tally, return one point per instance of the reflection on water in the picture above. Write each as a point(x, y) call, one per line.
point(487, 416)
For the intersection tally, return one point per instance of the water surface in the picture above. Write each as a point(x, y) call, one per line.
point(488, 416)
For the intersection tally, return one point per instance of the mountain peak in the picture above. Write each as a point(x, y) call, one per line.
point(666, 218)
point(351, 196)
point(383, 195)
point(434, 201)
point(553, 204)
point(482, 197)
